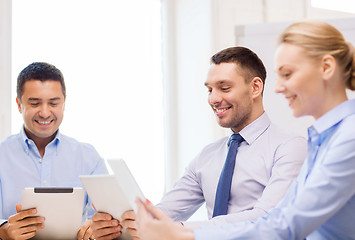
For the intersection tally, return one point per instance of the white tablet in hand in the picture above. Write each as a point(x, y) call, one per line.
point(62, 209)
point(113, 194)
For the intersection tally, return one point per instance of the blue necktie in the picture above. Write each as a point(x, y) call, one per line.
point(225, 180)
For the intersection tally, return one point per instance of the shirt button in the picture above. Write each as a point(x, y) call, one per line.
point(28, 141)
point(40, 160)
point(45, 182)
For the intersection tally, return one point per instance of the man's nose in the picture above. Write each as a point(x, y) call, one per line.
point(44, 111)
point(214, 98)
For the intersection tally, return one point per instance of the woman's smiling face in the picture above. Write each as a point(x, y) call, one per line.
point(299, 78)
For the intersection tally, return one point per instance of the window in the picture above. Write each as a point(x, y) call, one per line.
point(339, 5)
point(109, 52)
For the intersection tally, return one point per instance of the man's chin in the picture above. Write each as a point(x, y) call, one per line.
point(45, 134)
point(224, 124)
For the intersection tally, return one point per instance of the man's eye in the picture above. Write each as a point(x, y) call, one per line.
point(225, 88)
point(53, 104)
point(34, 104)
point(209, 90)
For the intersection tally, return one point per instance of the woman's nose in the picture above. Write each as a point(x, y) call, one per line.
point(279, 87)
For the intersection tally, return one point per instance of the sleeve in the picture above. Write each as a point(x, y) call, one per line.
point(185, 198)
point(2, 221)
point(328, 189)
point(288, 160)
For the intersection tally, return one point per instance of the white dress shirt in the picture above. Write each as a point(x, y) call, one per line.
point(266, 163)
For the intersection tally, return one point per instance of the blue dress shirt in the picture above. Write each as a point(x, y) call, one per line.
point(21, 165)
point(320, 204)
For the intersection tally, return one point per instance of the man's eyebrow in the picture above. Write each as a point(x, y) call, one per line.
point(55, 99)
point(221, 82)
point(33, 99)
point(39, 99)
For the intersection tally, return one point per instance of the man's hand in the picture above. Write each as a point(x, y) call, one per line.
point(85, 231)
point(129, 221)
point(22, 225)
point(105, 227)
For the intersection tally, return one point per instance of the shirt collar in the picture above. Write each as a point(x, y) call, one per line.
point(334, 116)
point(252, 131)
point(26, 142)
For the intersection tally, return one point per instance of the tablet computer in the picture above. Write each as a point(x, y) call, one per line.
point(62, 209)
point(113, 194)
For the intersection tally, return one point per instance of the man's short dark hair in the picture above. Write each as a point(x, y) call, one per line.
point(39, 71)
point(247, 61)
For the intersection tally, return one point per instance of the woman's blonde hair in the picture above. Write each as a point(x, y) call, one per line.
point(318, 38)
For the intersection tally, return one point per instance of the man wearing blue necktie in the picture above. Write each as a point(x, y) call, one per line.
point(262, 161)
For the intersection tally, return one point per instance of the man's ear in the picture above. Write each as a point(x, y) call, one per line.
point(257, 87)
point(328, 66)
point(18, 101)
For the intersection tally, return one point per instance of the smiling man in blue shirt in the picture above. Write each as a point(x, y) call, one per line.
point(40, 155)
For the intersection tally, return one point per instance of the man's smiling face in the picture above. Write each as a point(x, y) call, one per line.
point(230, 96)
point(42, 107)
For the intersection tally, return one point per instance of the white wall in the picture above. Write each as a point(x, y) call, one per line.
point(5, 68)
point(187, 55)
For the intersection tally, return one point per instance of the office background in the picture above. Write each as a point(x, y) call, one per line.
point(163, 112)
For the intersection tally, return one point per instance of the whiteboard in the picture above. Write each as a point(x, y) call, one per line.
point(262, 39)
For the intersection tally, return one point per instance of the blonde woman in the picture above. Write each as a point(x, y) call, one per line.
point(314, 65)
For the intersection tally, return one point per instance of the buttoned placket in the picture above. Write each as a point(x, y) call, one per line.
point(44, 167)
point(46, 170)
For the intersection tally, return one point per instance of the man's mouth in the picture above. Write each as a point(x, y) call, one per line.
point(44, 122)
point(220, 111)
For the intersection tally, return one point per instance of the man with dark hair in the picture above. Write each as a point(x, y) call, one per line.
point(40, 155)
point(265, 163)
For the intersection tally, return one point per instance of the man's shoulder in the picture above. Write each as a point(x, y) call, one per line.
point(283, 134)
point(282, 140)
point(216, 146)
point(73, 143)
point(218, 143)
point(10, 140)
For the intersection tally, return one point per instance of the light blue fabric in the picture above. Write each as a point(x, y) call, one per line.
point(21, 166)
point(320, 204)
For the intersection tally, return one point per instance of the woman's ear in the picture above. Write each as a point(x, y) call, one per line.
point(328, 66)
point(257, 87)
